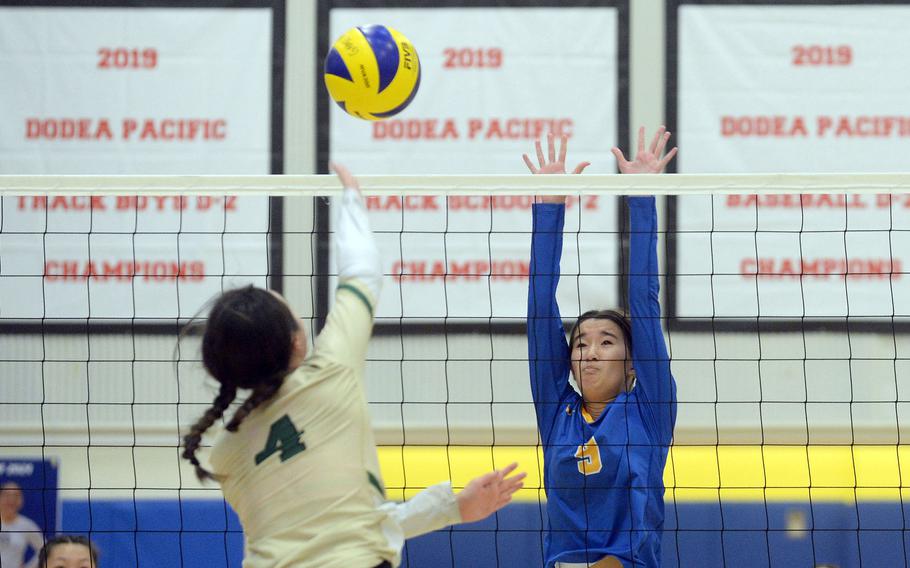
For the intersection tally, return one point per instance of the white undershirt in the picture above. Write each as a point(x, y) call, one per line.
point(357, 254)
point(432, 509)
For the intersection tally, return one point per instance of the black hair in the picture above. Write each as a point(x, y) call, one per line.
point(619, 318)
point(66, 539)
point(247, 343)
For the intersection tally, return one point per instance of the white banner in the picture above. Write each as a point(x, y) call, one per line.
point(132, 91)
point(814, 88)
point(491, 84)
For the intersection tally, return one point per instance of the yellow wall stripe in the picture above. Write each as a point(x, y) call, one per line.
point(840, 474)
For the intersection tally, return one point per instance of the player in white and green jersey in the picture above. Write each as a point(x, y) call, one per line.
point(297, 460)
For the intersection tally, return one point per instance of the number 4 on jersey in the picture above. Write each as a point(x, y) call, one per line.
point(588, 455)
point(283, 437)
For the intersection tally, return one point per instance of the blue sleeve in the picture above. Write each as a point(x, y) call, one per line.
point(655, 385)
point(548, 352)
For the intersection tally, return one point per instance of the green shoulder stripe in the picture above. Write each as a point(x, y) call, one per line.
point(359, 294)
point(376, 483)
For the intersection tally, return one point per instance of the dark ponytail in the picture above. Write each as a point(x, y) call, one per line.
point(247, 344)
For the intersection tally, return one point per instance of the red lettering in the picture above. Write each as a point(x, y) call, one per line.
point(823, 125)
point(410, 203)
point(427, 271)
point(499, 202)
point(792, 201)
point(70, 270)
point(462, 270)
point(795, 268)
point(414, 129)
point(475, 125)
point(68, 129)
point(763, 126)
point(123, 270)
point(524, 128)
point(50, 270)
point(73, 203)
point(177, 129)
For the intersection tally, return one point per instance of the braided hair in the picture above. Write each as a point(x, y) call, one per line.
point(247, 344)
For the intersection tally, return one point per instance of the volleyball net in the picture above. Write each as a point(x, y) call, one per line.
point(786, 307)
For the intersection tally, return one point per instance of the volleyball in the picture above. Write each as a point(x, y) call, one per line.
point(372, 72)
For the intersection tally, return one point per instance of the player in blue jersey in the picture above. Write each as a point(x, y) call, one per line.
point(605, 449)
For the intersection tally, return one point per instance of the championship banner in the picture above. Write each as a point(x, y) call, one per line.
point(490, 85)
point(136, 90)
point(811, 87)
point(29, 488)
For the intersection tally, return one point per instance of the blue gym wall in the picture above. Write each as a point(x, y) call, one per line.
point(206, 533)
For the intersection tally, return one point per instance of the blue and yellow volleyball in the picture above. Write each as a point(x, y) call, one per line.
point(372, 72)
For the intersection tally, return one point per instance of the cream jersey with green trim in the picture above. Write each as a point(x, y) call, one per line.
point(301, 471)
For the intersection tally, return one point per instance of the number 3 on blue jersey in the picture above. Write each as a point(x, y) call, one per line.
point(588, 455)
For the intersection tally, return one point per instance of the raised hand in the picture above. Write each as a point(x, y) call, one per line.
point(490, 492)
point(650, 161)
point(551, 165)
point(344, 176)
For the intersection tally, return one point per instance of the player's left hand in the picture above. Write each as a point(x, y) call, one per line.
point(490, 492)
point(647, 161)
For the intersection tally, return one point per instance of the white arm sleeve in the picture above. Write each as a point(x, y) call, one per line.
point(433, 508)
point(356, 251)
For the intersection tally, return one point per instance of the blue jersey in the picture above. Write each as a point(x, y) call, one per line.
point(604, 477)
